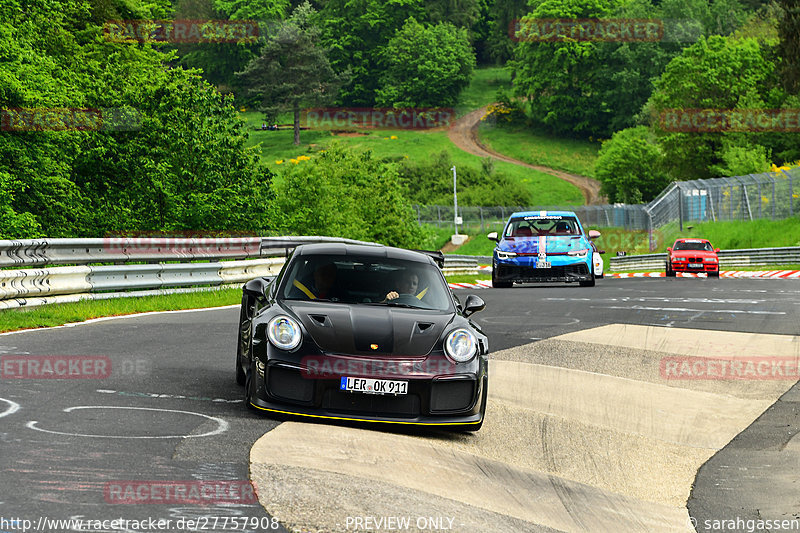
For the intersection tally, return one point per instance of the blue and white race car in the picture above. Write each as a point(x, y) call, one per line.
point(541, 246)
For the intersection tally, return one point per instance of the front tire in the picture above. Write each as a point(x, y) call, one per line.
point(668, 271)
point(588, 282)
point(713, 274)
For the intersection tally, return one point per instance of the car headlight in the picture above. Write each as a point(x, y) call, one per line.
point(284, 333)
point(505, 255)
point(578, 253)
point(679, 259)
point(461, 345)
point(711, 259)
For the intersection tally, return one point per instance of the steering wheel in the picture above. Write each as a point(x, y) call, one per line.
point(408, 299)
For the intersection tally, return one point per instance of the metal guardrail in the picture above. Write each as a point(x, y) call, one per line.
point(41, 252)
point(727, 258)
point(37, 286)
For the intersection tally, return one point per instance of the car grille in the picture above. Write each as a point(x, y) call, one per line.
point(406, 405)
point(559, 272)
point(289, 384)
point(452, 395)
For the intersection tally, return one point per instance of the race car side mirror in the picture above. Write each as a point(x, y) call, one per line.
point(601, 251)
point(493, 236)
point(473, 305)
point(257, 287)
point(669, 249)
point(716, 250)
point(593, 234)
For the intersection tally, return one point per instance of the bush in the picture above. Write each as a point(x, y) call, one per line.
point(346, 193)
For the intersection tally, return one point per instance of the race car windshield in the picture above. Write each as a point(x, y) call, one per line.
point(694, 246)
point(536, 226)
point(366, 280)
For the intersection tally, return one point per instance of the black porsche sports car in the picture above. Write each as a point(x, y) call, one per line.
point(364, 333)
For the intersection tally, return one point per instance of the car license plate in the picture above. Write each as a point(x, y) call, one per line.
point(373, 386)
point(543, 264)
point(695, 265)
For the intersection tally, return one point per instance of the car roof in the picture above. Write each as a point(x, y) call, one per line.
point(378, 252)
point(691, 239)
point(543, 214)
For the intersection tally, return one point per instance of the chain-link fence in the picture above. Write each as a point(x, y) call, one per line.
point(487, 218)
point(769, 195)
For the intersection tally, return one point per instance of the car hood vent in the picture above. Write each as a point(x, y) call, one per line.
point(369, 329)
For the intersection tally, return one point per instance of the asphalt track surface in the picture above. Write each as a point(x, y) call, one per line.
point(171, 411)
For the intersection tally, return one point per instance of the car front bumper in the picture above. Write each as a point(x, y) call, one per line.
point(290, 388)
point(523, 269)
point(685, 266)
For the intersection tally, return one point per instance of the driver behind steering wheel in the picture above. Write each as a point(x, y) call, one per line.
point(407, 285)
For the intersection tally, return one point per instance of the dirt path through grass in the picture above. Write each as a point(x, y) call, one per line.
point(464, 134)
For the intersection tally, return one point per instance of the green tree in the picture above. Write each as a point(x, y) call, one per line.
point(425, 66)
point(293, 69)
point(346, 193)
point(789, 31)
point(629, 165)
point(714, 73)
point(355, 32)
point(502, 14)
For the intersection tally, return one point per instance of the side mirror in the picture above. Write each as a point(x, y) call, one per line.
point(601, 251)
point(493, 236)
point(257, 288)
point(716, 250)
point(473, 305)
point(593, 234)
point(669, 249)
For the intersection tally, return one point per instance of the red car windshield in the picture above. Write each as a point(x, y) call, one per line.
point(694, 246)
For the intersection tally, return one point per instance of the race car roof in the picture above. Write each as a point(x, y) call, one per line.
point(364, 251)
point(544, 214)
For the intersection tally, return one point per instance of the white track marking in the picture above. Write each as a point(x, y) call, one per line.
point(222, 425)
point(13, 407)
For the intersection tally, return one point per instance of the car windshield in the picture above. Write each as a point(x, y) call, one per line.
point(693, 245)
point(535, 226)
point(366, 280)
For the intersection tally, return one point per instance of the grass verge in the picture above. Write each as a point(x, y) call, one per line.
point(570, 155)
point(60, 314)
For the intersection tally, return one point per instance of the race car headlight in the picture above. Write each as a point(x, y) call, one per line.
point(284, 333)
point(578, 253)
point(461, 345)
point(711, 259)
point(679, 258)
point(505, 255)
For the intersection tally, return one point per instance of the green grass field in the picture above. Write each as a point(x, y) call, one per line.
point(482, 89)
point(60, 314)
point(570, 155)
point(736, 234)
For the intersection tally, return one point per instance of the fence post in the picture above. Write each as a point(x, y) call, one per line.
point(680, 208)
point(791, 193)
point(480, 210)
point(438, 216)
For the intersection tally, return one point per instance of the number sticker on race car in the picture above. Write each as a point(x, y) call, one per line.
point(373, 386)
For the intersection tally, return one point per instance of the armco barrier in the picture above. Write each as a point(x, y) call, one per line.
point(41, 252)
point(727, 258)
point(37, 286)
